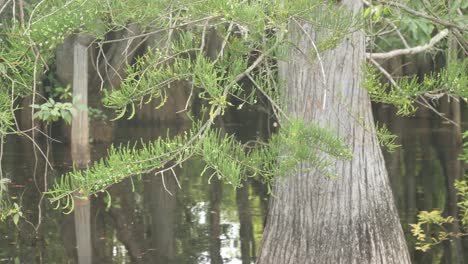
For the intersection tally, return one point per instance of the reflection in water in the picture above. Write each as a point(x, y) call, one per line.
point(144, 223)
point(422, 172)
point(160, 192)
point(246, 227)
point(215, 195)
point(200, 222)
point(83, 229)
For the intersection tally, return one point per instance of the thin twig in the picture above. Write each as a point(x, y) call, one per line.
point(273, 103)
point(188, 100)
point(428, 105)
point(163, 182)
point(4, 6)
point(203, 37)
point(324, 77)
point(225, 41)
point(175, 177)
point(162, 30)
point(402, 38)
point(385, 73)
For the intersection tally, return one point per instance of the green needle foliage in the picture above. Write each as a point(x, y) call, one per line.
point(452, 81)
point(296, 143)
point(6, 115)
point(122, 162)
point(386, 138)
point(253, 37)
point(225, 157)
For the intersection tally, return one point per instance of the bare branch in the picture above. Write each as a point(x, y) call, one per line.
point(423, 15)
point(225, 41)
point(463, 43)
point(3, 5)
point(425, 103)
point(385, 73)
point(386, 55)
point(188, 100)
point(273, 103)
point(397, 31)
point(164, 184)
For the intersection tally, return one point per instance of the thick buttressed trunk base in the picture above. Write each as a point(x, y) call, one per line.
point(350, 219)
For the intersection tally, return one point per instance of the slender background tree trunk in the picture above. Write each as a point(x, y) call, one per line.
point(350, 219)
point(80, 148)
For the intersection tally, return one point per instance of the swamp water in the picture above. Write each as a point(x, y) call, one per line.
point(199, 223)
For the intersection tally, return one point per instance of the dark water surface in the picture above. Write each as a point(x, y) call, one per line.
point(146, 222)
point(201, 222)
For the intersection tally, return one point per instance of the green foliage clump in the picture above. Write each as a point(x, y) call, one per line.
point(433, 221)
point(7, 208)
point(10, 210)
point(224, 156)
point(295, 143)
point(122, 162)
point(462, 191)
point(16, 63)
point(462, 185)
point(386, 138)
point(6, 115)
point(53, 20)
point(155, 72)
point(431, 228)
point(252, 37)
point(52, 111)
point(452, 81)
point(388, 23)
point(387, 94)
point(299, 142)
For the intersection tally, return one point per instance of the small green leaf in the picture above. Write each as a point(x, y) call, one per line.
point(16, 218)
point(67, 117)
point(367, 12)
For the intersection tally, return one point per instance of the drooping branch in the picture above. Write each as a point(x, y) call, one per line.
point(409, 51)
point(424, 15)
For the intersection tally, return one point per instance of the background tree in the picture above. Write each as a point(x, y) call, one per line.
point(431, 84)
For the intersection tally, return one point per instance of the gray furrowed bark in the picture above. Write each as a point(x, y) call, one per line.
point(351, 219)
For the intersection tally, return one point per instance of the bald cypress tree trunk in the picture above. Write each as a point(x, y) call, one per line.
point(350, 219)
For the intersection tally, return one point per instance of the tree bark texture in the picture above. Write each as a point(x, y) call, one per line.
point(350, 219)
point(80, 147)
point(80, 125)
